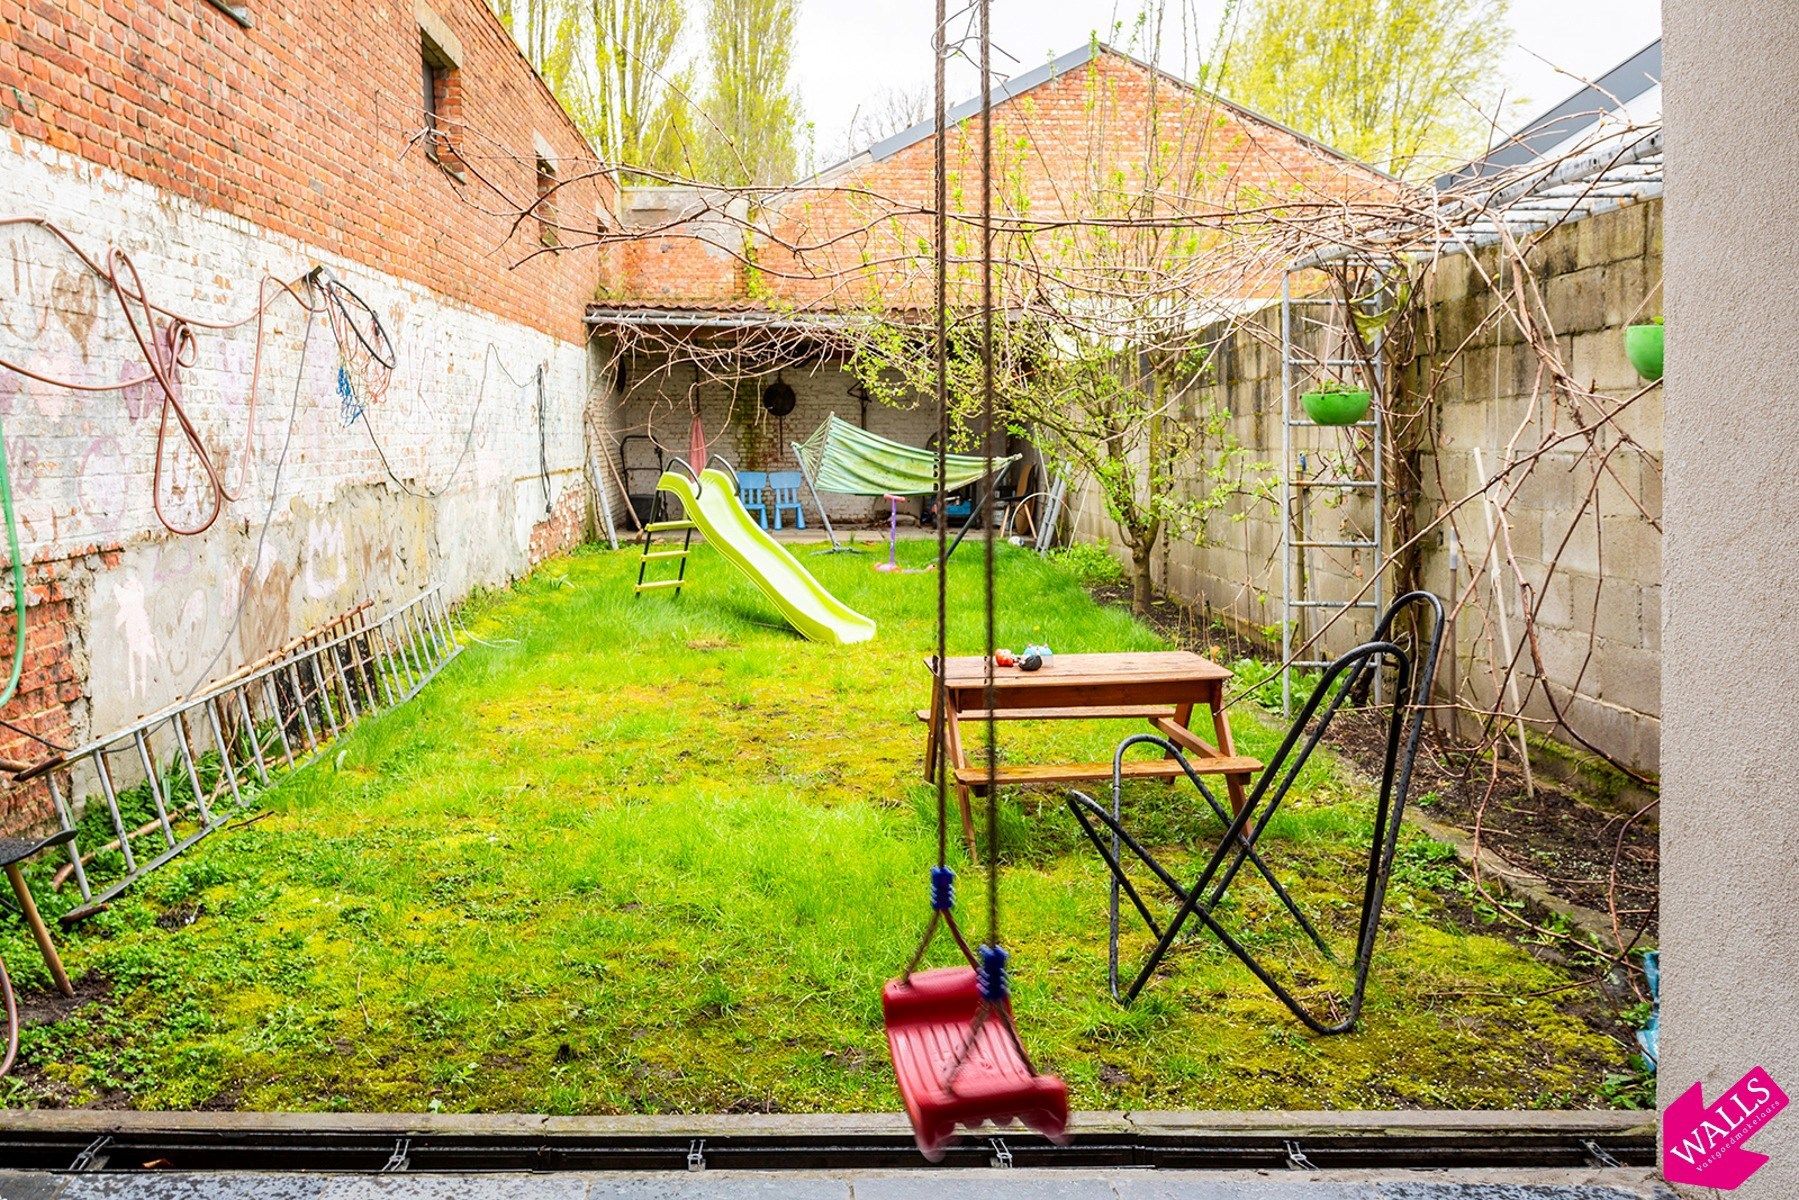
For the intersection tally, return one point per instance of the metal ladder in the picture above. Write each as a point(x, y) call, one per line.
point(651, 554)
point(1298, 366)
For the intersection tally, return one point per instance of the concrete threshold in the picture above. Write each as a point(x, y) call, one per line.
point(979, 1184)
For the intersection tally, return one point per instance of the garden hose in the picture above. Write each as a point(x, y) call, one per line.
point(18, 577)
point(11, 1004)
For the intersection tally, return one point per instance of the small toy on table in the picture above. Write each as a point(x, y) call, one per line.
point(1034, 657)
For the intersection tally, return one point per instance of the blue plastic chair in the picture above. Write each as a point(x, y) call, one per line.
point(749, 491)
point(786, 487)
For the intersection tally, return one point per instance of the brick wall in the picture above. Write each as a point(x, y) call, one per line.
point(215, 156)
point(300, 125)
point(861, 222)
point(1599, 620)
point(1058, 148)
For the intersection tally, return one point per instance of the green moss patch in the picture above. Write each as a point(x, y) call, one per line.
point(659, 855)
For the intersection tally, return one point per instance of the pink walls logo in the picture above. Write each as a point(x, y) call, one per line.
point(1703, 1144)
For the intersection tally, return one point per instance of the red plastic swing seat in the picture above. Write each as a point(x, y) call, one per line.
point(928, 1019)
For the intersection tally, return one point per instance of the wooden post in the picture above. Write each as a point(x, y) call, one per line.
point(44, 944)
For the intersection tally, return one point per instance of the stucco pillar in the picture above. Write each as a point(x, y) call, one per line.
point(1730, 678)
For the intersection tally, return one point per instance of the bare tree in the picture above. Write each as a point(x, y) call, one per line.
point(889, 111)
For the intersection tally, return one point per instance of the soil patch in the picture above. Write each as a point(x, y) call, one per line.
point(1596, 859)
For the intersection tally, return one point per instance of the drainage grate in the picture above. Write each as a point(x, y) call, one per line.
point(290, 1145)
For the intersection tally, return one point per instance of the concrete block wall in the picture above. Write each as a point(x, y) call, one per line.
point(477, 483)
point(1598, 613)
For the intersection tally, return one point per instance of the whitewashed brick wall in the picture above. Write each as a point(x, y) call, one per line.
point(165, 612)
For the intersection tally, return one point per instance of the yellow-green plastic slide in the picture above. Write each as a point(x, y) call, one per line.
point(726, 524)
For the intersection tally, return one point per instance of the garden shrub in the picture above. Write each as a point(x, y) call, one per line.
point(1089, 562)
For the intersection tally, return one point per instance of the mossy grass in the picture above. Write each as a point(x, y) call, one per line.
point(660, 854)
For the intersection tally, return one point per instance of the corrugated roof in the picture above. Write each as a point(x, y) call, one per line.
point(1617, 169)
point(1577, 118)
point(678, 304)
point(723, 314)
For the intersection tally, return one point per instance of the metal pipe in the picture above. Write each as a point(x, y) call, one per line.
point(343, 682)
point(1286, 491)
point(439, 615)
point(67, 815)
point(665, 319)
point(816, 498)
point(150, 777)
point(326, 708)
point(375, 668)
point(396, 641)
point(193, 773)
point(272, 698)
point(112, 807)
point(243, 708)
point(225, 763)
point(415, 643)
point(293, 676)
point(1378, 368)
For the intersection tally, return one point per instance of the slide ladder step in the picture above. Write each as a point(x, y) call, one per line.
point(678, 553)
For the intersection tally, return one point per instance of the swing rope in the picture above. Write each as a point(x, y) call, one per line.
point(991, 971)
point(943, 877)
point(940, 366)
point(993, 959)
point(965, 1010)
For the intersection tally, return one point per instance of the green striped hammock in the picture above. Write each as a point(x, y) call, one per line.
point(847, 459)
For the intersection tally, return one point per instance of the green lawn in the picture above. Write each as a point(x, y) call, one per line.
point(660, 855)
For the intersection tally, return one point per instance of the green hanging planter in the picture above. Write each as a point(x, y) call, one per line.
point(1337, 405)
point(1643, 346)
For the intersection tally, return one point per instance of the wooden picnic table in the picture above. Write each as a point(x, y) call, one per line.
point(1162, 687)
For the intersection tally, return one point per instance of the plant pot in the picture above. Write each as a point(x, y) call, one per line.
point(1643, 346)
point(1337, 408)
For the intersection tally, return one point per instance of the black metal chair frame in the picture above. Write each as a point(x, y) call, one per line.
point(1348, 677)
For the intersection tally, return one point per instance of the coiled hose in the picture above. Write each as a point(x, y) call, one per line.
point(12, 1020)
point(12, 686)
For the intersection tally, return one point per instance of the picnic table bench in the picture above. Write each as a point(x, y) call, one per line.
point(1162, 687)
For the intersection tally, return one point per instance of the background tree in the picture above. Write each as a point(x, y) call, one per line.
point(1408, 85)
point(616, 67)
point(642, 97)
point(1111, 311)
point(752, 114)
point(540, 27)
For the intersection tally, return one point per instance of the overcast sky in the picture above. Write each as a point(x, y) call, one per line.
point(851, 50)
